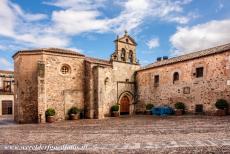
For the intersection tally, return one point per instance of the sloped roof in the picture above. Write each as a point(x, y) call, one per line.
point(6, 72)
point(194, 55)
point(98, 61)
point(134, 42)
point(51, 50)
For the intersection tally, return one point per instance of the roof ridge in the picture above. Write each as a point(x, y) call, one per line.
point(192, 55)
point(6, 71)
point(51, 49)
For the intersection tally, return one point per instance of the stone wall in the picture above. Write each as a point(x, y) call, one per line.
point(6, 95)
point(62, 91)
point(6, 98)
point(113, 83)
point(104, 86)
point(189, 89)
point(26, 88)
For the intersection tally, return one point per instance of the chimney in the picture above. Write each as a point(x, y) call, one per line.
point(159, 58)
point(165, 57)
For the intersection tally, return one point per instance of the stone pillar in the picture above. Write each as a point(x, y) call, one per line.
point(41, 92)
point(100, 80)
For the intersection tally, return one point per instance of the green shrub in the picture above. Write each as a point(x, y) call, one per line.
point(115, 108)
point(180, 105)
point(73, 110)
point(50, 112)
point(221, 104)
point(149, 106)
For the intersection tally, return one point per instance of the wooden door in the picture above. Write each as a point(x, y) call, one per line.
point(6, 107)
point(124, 103)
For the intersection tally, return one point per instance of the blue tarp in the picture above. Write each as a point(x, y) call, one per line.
point(162, 110)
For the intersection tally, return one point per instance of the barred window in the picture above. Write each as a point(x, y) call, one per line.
point(199, 72)
point(65, 69)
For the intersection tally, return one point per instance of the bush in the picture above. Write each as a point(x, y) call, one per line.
point(221, 104)
point(149, 106)
point(115, 108)
point(180, 105)
point(50, 112)
point(73, 110)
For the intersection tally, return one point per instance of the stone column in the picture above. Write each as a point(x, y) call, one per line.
point(41, 92)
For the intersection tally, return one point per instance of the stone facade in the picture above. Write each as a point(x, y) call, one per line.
point(61, 79)
point(179, 80)
point(6, 92)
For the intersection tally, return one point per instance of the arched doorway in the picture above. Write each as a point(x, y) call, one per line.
point(124, 105)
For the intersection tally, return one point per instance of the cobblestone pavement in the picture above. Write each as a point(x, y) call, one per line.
point(137, 134)
point(6, 120)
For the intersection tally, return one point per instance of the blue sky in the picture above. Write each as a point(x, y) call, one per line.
point(160, 27)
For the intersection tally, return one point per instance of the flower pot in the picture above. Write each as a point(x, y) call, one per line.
point(148, 112)
point(115, 113)
point(74, 116)
point(179, 112)
point(50, 119)
point(221, 112)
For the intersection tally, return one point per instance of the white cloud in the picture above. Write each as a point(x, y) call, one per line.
point(202, 36)
point(74, 17)
point(74, 22)
point(153, 43)
point(77, 4)
point(21, 27)
point(4, 63)
point(145, 62)
point(78, 16)
point(75, 49)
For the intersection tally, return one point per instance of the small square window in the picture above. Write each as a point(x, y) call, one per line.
point(199, 72)
point(7, 86)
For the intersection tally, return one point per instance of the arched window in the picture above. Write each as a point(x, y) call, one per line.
point(123, 52)
point(106, 80)
point(131, 56)
point(176, 77)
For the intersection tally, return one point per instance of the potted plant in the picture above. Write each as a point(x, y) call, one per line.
point(180, 107)
point(222, 107)
point(115, 110)
point(148, 108)
point(50, 112)
point(74, 113)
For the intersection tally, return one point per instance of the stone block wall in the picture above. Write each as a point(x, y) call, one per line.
point(26, 88)
point(189, 89)
point(62, 91)
point(105, 84)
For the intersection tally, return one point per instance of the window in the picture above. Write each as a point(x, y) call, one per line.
point(199, 108)
point(65, 69)
point(106, 80)
point(7, 86)
point(131, 56)
point(199, 72)
point(156, 80)
point(176, 77)
point(123, 54)
point(127, 40)
point(7, 107)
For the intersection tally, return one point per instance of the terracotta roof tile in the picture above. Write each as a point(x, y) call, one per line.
point(99, 61)
point(6, 72)
point(51, 50)
point(190, 56)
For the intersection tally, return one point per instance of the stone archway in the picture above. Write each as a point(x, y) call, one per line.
point(126, 103)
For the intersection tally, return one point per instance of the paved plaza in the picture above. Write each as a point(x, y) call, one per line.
point(136, 134)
